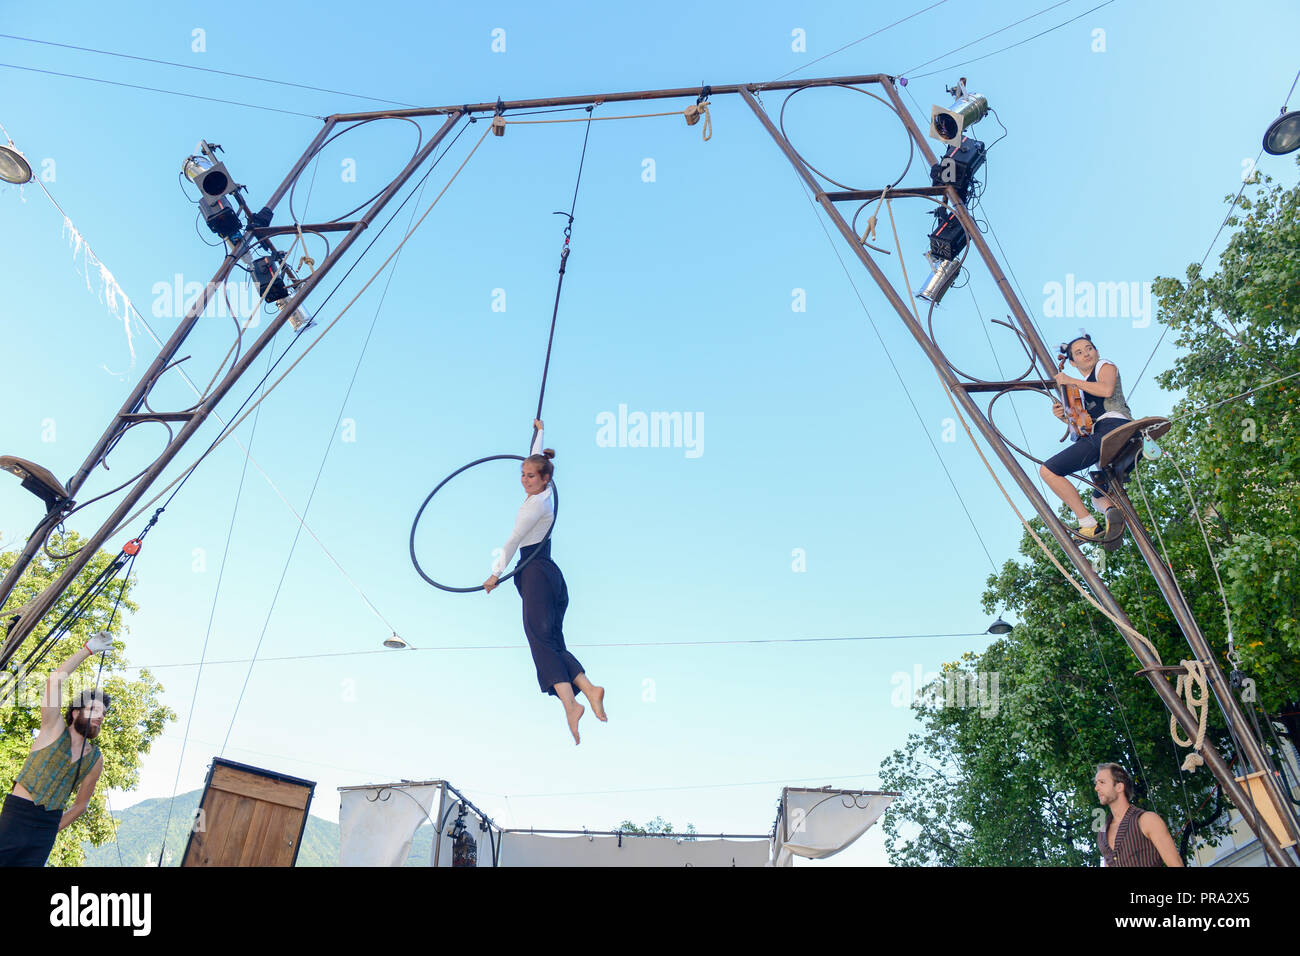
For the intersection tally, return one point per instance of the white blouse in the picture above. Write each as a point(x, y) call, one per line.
point(532, 523)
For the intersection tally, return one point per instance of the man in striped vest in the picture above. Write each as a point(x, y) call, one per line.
point(64, 760)
point(1131, 836)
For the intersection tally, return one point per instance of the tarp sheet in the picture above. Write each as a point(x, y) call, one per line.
point(377, 824)
point(529, 849)
point(819, 823)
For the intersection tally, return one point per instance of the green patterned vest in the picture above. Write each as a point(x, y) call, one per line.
point(51, 773)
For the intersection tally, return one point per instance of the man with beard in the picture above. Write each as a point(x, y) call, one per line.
point(1131, 836)
point(63, 756)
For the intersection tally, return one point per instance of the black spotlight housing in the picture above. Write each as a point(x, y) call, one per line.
point(949, 238)
point(958, 166)
point(269, 283)
point(221, 217)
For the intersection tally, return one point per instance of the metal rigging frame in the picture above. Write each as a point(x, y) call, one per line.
point(193, 417)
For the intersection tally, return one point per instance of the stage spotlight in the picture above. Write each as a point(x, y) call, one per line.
point(942, 275)
point(220, 216)
point(949, 238)
point(948, 125)
point(213, 179)
point(958, 166)
point(268, 274)
point(300, 319)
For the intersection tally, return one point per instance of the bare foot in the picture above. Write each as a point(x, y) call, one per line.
point(597, 701)
point(573, 713)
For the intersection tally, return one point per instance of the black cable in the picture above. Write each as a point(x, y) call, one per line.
point(151, 89)
point(76, 778)
point(324, 458)
point(180, 181)
point(908, 73)
point(855, 42)
point(369, 245)
point(36, 656)
point(419, 141)
point(564, 258)
point(1191, 827)
point(212, 613)
point(1188, 288)
point(203, 69)
point(953, 66)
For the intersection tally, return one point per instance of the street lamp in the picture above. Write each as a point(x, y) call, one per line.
point(1283, 134)
point(39, 481)
point(14, 168)
point(999, 627)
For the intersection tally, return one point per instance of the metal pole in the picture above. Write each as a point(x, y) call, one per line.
point(146, 382)
point(437, 822)
point(1161, 684)
point(1164, 579)
point(1201, 650)
point(594, 98)
point(41, 604)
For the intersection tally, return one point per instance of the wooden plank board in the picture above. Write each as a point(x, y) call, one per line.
point(214, 817)
point(251, 854)
point(272, 834)
point(260, 788)
point(251, 818)
point(285, 848)
point(236, 830)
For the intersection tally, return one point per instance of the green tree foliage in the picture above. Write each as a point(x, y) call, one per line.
point(1240, 329)
point(1012, 784)
point(657, 825)
point(129, 729)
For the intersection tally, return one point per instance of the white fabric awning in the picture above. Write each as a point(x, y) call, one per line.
point(819, 823)
point(530, 849)
point(377, 824)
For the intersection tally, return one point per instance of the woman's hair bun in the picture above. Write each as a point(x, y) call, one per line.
point(548, 452)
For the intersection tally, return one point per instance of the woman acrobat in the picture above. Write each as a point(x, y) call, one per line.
point(542, 590)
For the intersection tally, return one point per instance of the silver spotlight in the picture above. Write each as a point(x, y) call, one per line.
point(948, 125)
point(213, 179)
point(300, 319)
point(943, 272)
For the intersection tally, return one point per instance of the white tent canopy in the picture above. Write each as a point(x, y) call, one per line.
point(377, 824)
point(819, 823)
point(521, 848)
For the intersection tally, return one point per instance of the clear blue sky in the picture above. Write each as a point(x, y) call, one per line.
point(678, 299)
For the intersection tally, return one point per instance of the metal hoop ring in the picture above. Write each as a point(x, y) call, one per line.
point(555, 501)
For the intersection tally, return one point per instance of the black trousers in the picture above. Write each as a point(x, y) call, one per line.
point(545, 598)
point(27, 832)
point(1084, 452)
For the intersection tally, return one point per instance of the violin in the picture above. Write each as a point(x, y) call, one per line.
point(1078, 421)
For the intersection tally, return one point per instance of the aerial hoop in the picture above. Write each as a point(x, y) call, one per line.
point(555, 503)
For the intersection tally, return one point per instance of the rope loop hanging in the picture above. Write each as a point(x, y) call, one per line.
point(700, 110)
point(1194, 690)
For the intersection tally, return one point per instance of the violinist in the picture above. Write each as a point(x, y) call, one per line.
point(1102, 401)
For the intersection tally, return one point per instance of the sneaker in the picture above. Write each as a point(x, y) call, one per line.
point(1094, 533)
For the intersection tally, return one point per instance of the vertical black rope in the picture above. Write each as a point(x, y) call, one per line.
point(564, 258)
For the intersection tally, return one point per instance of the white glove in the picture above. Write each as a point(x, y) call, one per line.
point(102, 641)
